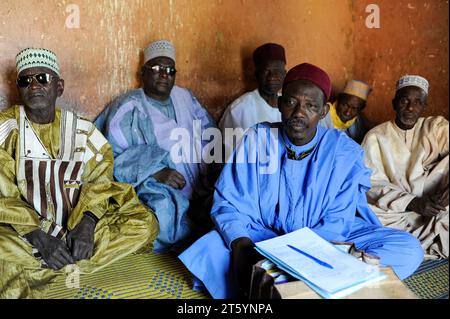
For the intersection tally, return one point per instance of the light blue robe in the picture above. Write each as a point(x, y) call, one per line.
point(326, 191)
point(140, 136)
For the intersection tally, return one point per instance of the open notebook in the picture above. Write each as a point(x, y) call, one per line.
point(328, 270)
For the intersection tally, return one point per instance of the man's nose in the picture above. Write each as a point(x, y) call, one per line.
point(409, 106)
point(163, 74)
point(299, 111)
point(35, 84)
point(273, 75)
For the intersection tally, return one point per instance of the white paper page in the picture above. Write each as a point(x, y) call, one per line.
point(347, 270)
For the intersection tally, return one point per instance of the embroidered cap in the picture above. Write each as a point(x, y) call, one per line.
point(161, 48)
point(36, 57)
point(357, 88)
point(413, 80)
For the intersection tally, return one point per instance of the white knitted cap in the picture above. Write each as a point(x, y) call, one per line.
point(36, 57)
point(413, 80)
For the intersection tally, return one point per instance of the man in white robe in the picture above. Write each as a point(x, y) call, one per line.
point(259, 105)
point(409, 158)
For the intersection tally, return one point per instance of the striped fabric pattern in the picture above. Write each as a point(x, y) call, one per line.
point(138, 276)
point(6, 128)
point(46, 182)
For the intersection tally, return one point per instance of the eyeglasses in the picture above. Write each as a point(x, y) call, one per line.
point(161, 69)
point(42, 78)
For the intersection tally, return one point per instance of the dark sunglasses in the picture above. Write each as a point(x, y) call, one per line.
point(160, 69)
point(42, 78)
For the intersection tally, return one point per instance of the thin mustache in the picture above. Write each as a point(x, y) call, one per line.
point(36, 93)
point(295, 122)
point(408, 114)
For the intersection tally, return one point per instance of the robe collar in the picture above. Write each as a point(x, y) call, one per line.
point(298, 153)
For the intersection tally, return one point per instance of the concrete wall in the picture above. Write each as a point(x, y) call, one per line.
point(412, 39)
point(215, 40)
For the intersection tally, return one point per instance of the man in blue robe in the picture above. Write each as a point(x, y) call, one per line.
point(315, 177)
point(144, 127)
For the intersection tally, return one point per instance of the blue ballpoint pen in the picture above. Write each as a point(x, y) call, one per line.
point(320, 262)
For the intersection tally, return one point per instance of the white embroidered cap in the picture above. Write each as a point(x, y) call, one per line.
point(159, 48)
point(36, 57)
point(413, 80)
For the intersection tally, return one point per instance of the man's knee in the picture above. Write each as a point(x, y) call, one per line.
point(414, 248)
point(410, 254)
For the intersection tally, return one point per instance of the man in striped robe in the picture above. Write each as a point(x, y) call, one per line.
point(59, 204)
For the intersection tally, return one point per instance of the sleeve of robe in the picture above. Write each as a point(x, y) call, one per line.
point(236, 197)
point(210, 145)
point(134, 145)
point(348, 183)
point(384, 194)
point(14, 210)
point(440, 132)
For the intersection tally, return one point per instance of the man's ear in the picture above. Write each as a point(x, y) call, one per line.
point(60, 87)
point(325, 110)
point(425, 104)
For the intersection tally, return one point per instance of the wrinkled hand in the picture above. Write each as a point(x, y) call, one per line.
point(53, 250)
point(170, 177)
point(243, 257)
point(426, 206)
point(81, 239)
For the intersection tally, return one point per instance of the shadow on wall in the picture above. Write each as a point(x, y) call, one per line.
point(10, 94)
point(138, 79)
point(247, 81)
point(248, 69)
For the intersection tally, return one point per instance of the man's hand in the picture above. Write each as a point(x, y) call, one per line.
point(243, 257)
point(81, 239)
point(262, 285)
point(170, 177)
point(441, 197)
point(426, 206)
point(53, 250)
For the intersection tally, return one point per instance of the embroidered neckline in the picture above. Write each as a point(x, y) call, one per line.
point(293, 156)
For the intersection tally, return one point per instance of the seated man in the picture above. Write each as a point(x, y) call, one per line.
point(142, 127)
point(345, 113)
point(259, 105)
point(59, 204)
point(319, 182)
point(409, 158)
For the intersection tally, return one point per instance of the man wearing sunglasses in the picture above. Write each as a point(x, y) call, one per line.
point(143, 127)
point(59, 204)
